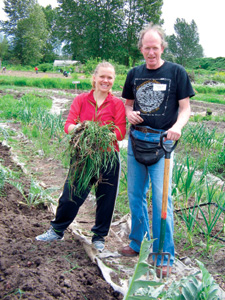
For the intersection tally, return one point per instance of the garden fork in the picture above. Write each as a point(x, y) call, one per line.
point(155, 255)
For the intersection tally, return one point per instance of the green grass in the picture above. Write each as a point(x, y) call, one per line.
point(200, 76)
point(54, 83)
point(216, 92)
point(48, 83)
point(210, 97)
point(205, 89)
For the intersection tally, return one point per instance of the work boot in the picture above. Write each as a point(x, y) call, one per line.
point(128, 251)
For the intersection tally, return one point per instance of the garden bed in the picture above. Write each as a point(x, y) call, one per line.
point(62, 270)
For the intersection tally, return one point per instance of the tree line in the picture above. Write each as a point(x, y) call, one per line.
point(84, 29)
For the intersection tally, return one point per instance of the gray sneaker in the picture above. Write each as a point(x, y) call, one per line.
point(99, 245)
point(48, 236)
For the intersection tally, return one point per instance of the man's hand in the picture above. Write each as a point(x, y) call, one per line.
point(134, 117)
point(173, 134)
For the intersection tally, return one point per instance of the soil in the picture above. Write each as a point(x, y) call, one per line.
point(33, 270)
point(63, 270)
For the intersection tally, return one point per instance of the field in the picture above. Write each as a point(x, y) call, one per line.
point(70, 269)
point(33, 74)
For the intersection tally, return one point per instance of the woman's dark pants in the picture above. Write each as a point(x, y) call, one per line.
point(106, 193)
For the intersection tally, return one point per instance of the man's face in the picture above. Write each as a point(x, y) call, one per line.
point(152, 49)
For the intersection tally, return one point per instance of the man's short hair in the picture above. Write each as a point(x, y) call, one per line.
point(154, 27)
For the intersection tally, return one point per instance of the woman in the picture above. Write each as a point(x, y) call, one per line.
point(101, 106)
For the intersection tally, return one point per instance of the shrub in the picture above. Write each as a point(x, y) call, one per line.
point(91, 64)
point(45, 67)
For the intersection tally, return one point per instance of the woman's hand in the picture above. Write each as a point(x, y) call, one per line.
point(72, 128)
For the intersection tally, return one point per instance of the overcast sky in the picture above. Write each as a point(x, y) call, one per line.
point(208, 15)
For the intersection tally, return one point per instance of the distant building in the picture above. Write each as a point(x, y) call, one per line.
point(63, 63)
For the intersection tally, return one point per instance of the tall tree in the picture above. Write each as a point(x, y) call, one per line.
point(90, 28)
point(15, 10)
point(4, 46)
point(71, 24)
point(184, 45)
point(53, 44)
point(31, 36)
point(26, 29)
point(104, 22)
point(105, 28)
point(137, 14)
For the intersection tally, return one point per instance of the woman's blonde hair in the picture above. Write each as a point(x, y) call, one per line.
point(103, 64)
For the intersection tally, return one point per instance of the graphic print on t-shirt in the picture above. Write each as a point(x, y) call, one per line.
point(152, 95)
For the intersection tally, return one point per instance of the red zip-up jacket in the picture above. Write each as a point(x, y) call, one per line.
point(112, 110)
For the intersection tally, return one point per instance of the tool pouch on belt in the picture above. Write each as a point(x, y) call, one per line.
point(146, 152)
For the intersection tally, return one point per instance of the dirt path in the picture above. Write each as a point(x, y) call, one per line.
point(33, 74)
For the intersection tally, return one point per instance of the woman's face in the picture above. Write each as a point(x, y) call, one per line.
point(104, 79)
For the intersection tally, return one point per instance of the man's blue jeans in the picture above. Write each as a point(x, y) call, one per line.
point(139, 177)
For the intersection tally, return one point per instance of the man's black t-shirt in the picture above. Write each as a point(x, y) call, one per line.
point(157, 93)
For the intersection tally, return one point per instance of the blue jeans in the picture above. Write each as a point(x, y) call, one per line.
point(139, 177)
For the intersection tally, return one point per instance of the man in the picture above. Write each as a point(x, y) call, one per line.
point(157, 96)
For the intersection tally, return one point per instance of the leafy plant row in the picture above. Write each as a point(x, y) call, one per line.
point(188, 288)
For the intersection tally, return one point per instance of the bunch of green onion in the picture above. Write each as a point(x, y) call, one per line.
point(91, 150)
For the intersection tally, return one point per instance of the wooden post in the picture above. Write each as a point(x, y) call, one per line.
point(76, 83)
